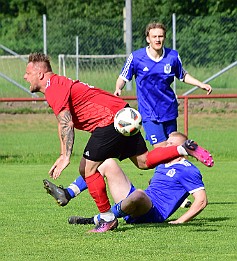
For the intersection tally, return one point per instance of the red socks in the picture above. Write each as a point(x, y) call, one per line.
point(97, 188)
point(161, 155)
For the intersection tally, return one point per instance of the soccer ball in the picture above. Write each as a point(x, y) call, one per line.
point(128, 121)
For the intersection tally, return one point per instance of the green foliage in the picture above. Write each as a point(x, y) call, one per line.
point(113, 8)
point(208, 25)
point(202, 48)
point(147, 8)
point(97, 9)
point(23, 33)
point(95, 36)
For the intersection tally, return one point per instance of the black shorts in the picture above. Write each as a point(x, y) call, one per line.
point(106, 143)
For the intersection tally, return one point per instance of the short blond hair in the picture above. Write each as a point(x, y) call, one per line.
point(180, 135)
point(40, 58)
point(155, 25)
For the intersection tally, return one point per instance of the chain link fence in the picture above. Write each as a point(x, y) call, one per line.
point(205, 44)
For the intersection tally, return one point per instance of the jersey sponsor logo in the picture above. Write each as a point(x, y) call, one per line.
point(171, 173)
point(145, 69)
point(167, 68)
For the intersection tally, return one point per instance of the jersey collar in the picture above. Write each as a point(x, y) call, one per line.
point(177, 162)
point(152, 58)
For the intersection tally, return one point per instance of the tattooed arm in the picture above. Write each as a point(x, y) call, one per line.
point(66, 132)
point(66, 136)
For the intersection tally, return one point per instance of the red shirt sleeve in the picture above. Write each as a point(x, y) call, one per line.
point(58, 92)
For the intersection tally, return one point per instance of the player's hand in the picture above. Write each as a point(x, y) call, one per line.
point(60, 164)
point(206, 87)
point(175, 222)
point(117, 92)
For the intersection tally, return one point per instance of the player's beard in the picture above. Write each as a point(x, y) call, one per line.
point(34, 89)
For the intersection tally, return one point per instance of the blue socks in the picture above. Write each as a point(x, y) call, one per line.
point(118, 211)
point(77, 187)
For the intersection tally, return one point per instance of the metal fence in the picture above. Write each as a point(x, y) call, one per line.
point(199, 40)
point(202, 42)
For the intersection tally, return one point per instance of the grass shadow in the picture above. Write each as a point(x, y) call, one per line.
point(200, 223)
point(222, 203)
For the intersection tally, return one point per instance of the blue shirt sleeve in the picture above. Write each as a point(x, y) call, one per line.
point(179, 70)
point(190, 177)
point(127, 71)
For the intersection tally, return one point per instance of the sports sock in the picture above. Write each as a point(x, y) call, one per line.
point(76, 187)
point(107, 216)
point(116, 208)
point(161, 155)
point(96, 219)
point(182, 150)
point(97, 188)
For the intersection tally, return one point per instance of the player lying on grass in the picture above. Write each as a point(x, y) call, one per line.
point(77, 105)
point(170, 185)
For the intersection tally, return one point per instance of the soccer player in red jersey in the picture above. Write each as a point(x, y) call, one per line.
point(84, 107)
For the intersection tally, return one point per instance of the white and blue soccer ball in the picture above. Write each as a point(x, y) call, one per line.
point(128, 121)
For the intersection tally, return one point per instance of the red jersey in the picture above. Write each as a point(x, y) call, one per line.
point(90, 107)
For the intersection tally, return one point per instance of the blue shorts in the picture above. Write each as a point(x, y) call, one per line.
point(152, 216)
point(157, 132)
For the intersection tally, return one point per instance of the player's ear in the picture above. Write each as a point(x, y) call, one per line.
point(148, 40)
point(41, 75)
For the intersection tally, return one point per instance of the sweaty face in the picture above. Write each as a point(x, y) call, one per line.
point(156, 38)
point(32, 75)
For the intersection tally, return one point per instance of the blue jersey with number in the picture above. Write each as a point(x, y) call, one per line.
point(156, 99)
point(171, 184)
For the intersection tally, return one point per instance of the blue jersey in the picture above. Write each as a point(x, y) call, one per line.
point(169, 187)
point(171, 184)
point(156, 99)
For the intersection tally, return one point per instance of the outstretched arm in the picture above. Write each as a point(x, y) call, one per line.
point(191, 80)
point(200, 202)
point(66, 137)
point(120, 83)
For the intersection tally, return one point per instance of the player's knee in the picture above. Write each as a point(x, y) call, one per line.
point(139, 195)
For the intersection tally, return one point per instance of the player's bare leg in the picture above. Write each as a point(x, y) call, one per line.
point(97, 188)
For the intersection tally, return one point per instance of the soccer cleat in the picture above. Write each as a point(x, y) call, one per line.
point(57, 192)
point(104, 226)
point(193, 149)
point(77, 220)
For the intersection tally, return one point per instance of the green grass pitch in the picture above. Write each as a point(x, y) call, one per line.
point(34, 227)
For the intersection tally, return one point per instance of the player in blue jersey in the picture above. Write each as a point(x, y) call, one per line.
point(168, 188)
point(154, 68)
